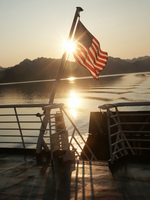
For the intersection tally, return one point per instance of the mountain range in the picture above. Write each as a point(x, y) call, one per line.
point(47, 68)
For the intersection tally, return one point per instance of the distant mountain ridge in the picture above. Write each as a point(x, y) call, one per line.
point(118, 66)
point(46, 68)
point(137, 59)
point(1, 68)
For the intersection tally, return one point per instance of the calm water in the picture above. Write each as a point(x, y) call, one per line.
point(81, 96)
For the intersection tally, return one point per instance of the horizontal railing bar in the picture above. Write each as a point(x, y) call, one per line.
point(135, 123)
point(7, 142)
point(21, 122)
point(5, 115)
point(53, 126)
point(124, 131)
point(130, 132)
point(119, 141)
point(20, 114)
point(59, 122)
point(29, 114)
point(138, 140)
point(23, 105)
point(113, 116)
point(18, 142)
point(113, 125)
point(116, 133)
point(53, 106)
point(29, 136)
point(52, 122)
point(61, 131)
point(30, 142)
point(108, 106)
point(115, 152)
point(24, 129)
point(140, 148)
point(121, 114)
point(131, 140)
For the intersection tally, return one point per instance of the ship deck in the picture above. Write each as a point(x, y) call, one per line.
point(22, 178)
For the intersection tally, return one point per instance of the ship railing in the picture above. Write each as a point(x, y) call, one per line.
point(20, 125)
point(76, 141)
point(128, 129)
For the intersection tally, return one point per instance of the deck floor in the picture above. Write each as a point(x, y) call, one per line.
point(23, 179)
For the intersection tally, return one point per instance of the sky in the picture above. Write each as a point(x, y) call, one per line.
point(38, 28)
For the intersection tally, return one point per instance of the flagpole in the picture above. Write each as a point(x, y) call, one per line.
point(64, 57)
point(41, 143)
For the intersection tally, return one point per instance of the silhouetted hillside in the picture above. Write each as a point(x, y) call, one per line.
point(1, 68)
point(118, 66)
point(46, 68)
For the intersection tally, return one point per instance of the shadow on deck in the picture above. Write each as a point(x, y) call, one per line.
point(24, 179)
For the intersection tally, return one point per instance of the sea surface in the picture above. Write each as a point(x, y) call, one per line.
point(80, 95)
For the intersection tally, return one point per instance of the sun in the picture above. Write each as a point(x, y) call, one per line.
point(69, 46)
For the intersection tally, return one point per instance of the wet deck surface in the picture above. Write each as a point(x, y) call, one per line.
point(82, 180)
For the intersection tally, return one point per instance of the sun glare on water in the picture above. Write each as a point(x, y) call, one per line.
point(71, 78)
point(73, 103)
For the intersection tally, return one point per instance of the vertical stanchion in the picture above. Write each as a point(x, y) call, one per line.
point(20, 130)
point(41, 143)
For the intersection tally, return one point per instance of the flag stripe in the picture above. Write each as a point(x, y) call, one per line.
point(91, 57)
point(86, 63)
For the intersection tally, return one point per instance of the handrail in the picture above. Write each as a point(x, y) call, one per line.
point(123, 104)
point(127, 130)
point(20, 125)
point(16, 125)
point(24, 105)
point(52, 106)
point(81, 137)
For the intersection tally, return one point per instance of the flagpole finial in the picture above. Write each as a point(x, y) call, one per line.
point(79, 9)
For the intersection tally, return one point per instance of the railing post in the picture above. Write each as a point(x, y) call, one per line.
point(19, 128)
point(50, 135)
point(109, 135)
point(75, 129)
point(120, 130)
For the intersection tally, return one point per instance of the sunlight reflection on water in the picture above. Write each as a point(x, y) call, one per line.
point(74, 102)
point(81, 97)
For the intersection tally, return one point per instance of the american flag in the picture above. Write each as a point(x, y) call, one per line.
point(88, 52)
